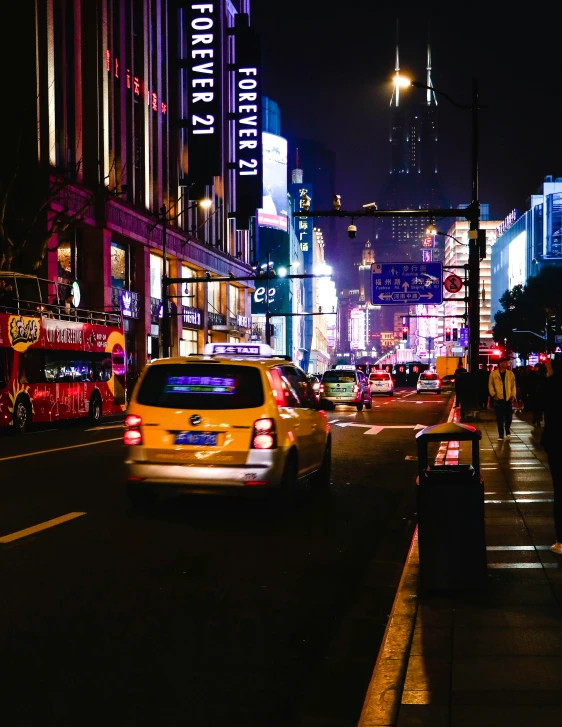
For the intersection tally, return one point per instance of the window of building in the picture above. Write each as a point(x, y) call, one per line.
point(68, 255)
point(233, 300)
point(189, 289)
point(119, 265)
point(188, 342)
point(214, 297)
point(156, 270)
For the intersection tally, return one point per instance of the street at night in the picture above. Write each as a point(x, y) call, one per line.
point(205, 611)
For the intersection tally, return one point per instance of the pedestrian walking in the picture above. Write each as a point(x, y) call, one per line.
point(551, 439)
point(501, 386)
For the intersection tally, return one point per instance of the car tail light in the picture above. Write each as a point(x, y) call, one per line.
point(277, 388)
point(132, 435)
point(439, 382)
point(321, 388)
point(355, 388)
point(264, 436)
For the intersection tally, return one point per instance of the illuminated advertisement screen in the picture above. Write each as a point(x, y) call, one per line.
point(357, 325)
point(274, 210)
point(199, 385)
point(516, 261)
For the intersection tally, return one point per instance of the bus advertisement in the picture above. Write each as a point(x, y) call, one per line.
point(57, 365)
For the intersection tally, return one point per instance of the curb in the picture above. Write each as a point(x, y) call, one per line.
point(383, 698)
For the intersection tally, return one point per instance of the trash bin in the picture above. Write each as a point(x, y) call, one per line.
point(451, 531)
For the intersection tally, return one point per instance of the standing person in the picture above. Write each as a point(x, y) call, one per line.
point(462, 388)
point(536, 396)
point(551, 439)
point(501, 386)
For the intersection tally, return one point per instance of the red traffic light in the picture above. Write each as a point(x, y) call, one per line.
point(404, 333)
point(447, 334)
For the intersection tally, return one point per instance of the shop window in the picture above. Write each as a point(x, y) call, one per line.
point(68, 255)
point(214, 297)
point(233, 300)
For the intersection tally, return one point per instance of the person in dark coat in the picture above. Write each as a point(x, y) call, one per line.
point(551, 440)
point(462, 389)
point(483, 393)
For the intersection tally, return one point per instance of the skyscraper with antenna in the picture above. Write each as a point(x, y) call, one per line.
point(414, 179)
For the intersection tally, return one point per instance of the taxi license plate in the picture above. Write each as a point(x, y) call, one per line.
point(208, 439)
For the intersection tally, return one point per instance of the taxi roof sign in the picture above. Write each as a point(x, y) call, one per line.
point(237, 349)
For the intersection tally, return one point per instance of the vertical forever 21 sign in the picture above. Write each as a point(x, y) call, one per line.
point(205, 91)
point(248, 124)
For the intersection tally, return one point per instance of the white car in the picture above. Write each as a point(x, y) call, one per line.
point(381, 382)
point(429, 381)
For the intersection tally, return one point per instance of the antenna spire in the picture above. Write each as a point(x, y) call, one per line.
point(430, 93)
point(395, 100)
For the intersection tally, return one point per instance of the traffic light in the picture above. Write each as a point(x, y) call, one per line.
point(447, 334)
point(455, 334)
point(404, 333)
point(542, 357)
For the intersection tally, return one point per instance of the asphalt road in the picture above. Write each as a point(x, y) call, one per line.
point(206, 612)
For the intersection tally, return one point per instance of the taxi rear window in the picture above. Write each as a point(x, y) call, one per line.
point(379, 377)
point(201, 386)
point(429, 377)
point(338, 377)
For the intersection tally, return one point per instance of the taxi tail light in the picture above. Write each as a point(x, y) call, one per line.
point(264, 435)
point(132, 435)
point(355, 388)
point(321, 388)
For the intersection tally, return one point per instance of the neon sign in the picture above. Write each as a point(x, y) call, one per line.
point(135, 83)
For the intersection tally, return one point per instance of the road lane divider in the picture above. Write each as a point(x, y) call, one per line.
point(60, 449)
point(42, 526)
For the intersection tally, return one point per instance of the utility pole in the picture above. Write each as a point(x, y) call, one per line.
point(165, 320)
point(474, 257)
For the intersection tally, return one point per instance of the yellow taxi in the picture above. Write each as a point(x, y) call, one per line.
point(236, 419)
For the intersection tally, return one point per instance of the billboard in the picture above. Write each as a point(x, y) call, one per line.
point(357, 329)
point(204, 121)
point(516, 261)
point(275, 203)
point(248, 122)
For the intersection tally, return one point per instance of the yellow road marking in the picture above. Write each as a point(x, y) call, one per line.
point(60, 449)
point(42, 526)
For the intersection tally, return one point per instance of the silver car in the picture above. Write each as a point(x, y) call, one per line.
point(429, 381)
point(345, 386)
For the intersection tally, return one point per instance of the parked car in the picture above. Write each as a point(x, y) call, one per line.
point(238, 419)
point(381, 382)
point(429, 381)
point(448, 382)
point(345, 386)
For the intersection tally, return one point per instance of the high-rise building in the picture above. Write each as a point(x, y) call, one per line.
point(414, 179)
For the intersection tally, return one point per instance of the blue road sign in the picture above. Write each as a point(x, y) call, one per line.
point(463, 337)
point(403, 283)
point(557, 339)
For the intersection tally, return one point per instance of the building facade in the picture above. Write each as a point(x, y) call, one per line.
point(112, 97)
point(525, 244)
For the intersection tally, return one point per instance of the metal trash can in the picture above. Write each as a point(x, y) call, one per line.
point(451, 530)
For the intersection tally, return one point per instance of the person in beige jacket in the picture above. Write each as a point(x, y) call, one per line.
point(502, 388)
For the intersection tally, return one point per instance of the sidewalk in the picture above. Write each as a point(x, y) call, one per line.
point(492, 656)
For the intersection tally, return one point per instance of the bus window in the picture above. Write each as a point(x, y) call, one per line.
point(31, 367)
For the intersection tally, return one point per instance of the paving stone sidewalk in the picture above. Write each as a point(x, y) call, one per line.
point(492, 655)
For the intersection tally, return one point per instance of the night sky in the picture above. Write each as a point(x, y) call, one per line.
point(329, 67)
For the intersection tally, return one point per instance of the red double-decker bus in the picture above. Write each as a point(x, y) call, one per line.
point(57, 361)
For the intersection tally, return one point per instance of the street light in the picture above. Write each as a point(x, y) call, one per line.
point(474, 244)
